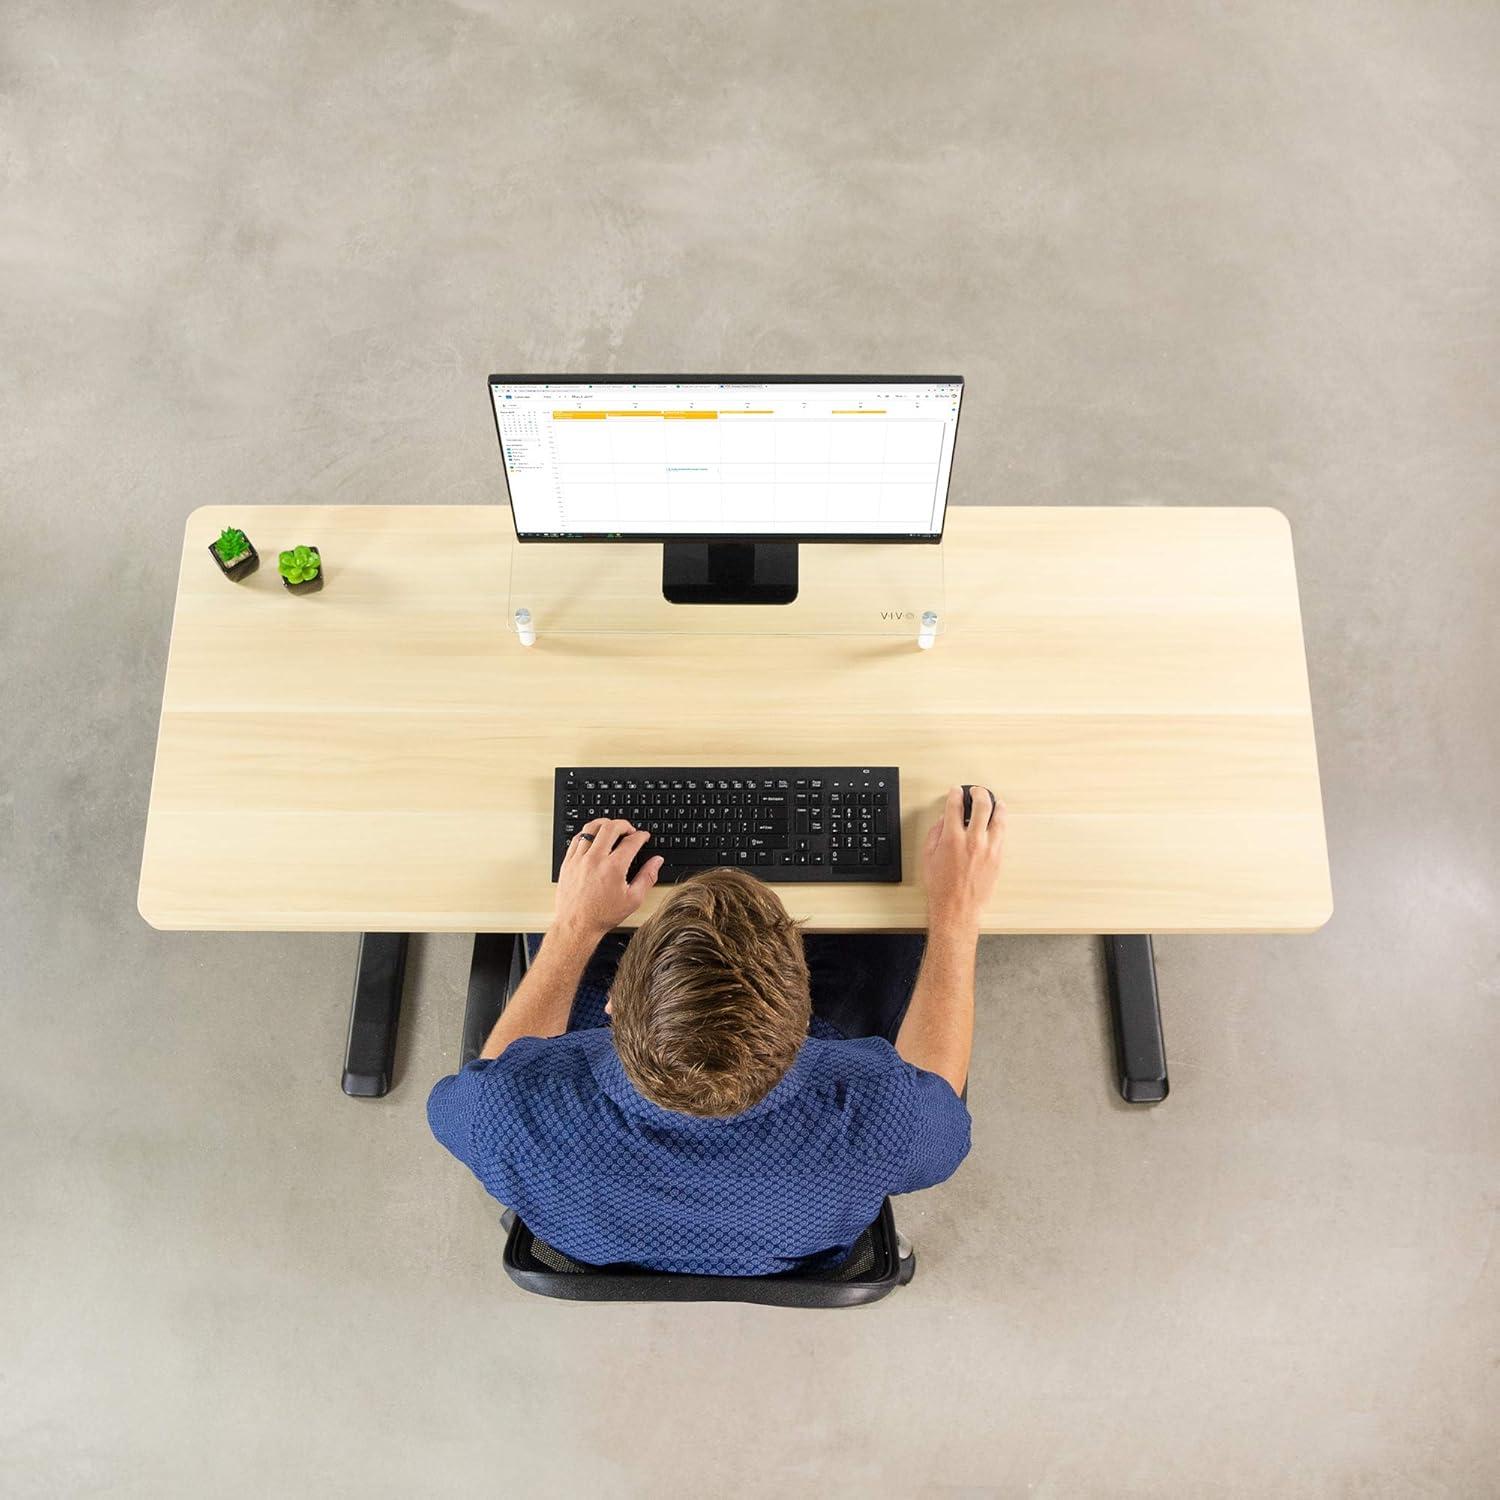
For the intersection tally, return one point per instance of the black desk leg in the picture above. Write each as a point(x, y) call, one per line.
point(494, 974)
point(1139, 1049)
point(370, 1055)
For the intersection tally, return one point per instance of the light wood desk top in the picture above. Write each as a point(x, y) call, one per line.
point(379, 756)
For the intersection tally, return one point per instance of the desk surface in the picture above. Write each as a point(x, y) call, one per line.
point(379, 756)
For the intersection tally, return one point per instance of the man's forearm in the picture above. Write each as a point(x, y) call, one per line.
point(937, 1032)
point(543, 1000)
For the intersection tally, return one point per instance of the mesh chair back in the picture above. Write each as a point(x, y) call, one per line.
point(873, 1269)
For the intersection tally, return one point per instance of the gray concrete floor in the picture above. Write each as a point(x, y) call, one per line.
point(1185, 253)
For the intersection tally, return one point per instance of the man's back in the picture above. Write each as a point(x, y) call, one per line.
point(554, 1129)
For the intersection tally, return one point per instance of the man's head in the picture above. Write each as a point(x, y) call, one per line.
point(711, 1000)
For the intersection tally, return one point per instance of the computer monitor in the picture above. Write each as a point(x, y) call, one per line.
point(729, 472)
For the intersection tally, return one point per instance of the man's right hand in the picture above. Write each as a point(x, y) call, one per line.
point(593, 896)
point(961, 863)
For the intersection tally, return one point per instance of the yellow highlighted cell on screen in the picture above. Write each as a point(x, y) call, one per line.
point(599, 416)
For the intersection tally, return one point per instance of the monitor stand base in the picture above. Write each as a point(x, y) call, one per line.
point(729, 572)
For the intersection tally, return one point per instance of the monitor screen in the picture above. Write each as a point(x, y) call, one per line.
point(652, 457)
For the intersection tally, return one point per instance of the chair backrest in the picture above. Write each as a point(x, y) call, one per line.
point(874, 1268)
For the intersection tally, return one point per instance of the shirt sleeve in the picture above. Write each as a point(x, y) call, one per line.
point(940, 1132)
point(453, 1105)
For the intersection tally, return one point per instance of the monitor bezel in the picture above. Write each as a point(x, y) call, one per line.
point(919, 539)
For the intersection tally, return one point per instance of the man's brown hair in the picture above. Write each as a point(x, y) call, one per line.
point(711, 1000)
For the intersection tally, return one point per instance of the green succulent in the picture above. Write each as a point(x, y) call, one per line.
point(232, 544)
point(299, 565)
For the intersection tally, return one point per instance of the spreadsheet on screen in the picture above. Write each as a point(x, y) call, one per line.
point(733, 459)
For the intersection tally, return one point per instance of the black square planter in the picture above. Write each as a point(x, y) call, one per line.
point(312, 585)
point(242, 567)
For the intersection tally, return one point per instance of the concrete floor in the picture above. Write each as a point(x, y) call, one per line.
point(1185, 254)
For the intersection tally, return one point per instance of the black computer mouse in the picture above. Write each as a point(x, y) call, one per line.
point(969, 804)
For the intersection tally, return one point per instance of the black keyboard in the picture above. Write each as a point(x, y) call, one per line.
point(781, 823)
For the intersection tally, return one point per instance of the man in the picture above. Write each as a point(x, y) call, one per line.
point(706, 1130)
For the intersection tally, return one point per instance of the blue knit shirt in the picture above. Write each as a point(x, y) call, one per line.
point(555, 1130)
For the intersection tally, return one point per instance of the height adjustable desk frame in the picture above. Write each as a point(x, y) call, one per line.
point(1131, 680)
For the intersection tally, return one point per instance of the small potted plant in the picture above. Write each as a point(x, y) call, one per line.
point(301, 570)
point(235, 556)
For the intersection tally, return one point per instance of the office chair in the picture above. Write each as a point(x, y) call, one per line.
point(881, 1259)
